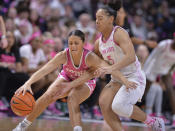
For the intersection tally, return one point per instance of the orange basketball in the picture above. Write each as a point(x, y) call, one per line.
point(22, 105)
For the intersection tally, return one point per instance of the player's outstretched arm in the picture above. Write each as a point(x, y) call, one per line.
point(59, 59)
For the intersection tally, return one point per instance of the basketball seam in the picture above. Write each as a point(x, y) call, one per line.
point(19, 109)
point(23, 101)
point(30, 99)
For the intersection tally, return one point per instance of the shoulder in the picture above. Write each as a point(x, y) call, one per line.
point(92, 58)
point(91, 55)
point(25, 48)
point(62, 54)
point(121, 35)
point(164, 43)
point(120, 31)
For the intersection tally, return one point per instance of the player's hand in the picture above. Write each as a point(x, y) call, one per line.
point(23, 89)
point(130, 85)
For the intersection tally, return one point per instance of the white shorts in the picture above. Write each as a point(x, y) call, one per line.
point(132, 96)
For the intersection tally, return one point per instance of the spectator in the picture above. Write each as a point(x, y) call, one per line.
point(158, 65)
point(33, 58)
point(10, 68)
point(122, 21)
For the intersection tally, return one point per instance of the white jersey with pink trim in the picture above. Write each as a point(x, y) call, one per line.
point(112, 53)
point(160, 60)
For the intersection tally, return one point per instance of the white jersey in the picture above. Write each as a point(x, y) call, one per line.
point(160, 60)
point(34, 59)
point(112, 53)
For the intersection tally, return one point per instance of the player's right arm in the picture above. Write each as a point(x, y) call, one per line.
point(54, 63)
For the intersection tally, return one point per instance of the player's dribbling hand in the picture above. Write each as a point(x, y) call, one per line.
point(23, 89)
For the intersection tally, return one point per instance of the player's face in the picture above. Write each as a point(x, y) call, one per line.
point(102, 20)
point(75, 44)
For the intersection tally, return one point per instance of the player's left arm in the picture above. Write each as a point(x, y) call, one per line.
point(122, 38)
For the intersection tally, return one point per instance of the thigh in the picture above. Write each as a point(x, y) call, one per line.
point(55, 87)
point(108, 93)
point(80, 93)
point(130, 96)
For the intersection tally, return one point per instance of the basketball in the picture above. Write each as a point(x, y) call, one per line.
point(22, 105)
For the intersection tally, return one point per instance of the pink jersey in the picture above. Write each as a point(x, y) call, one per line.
point(71, 72)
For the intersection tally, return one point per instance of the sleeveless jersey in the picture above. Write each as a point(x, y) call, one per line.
point(70, 70)
point(160, 60)
point(112, 53)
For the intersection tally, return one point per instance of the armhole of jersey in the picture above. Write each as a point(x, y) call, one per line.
point(66, 58)
point(86, 57)
point(114, 34)
point(98, 53)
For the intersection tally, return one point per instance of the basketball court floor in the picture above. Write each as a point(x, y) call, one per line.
point(62, 124)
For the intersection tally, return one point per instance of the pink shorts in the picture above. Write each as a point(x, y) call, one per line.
point(90, 83)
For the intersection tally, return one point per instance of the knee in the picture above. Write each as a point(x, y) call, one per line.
point(71, 99)
point(122, 109)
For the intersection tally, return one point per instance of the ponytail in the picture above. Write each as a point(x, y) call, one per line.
point(115, 4)
point(112, 7)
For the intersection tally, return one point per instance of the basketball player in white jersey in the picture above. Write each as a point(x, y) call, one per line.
point(158, 64)
point(115, 47)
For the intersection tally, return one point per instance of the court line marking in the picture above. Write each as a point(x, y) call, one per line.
point(99, 121)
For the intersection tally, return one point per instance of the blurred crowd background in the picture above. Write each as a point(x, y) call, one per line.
point(37, 29)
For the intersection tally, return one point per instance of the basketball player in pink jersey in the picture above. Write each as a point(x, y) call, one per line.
point(76, 60)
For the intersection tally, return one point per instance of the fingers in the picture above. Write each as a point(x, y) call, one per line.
point(98, 72)
point(131, 85)
point(24, 92)
point(17, 92)
point(31, 91)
